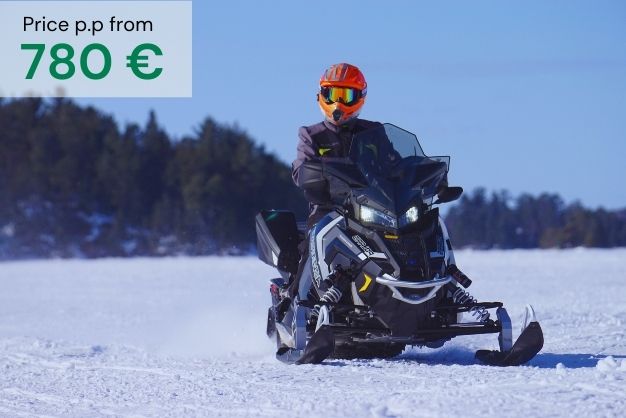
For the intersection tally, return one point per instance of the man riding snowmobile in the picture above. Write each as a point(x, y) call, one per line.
point(374, 271)
point(341, 97)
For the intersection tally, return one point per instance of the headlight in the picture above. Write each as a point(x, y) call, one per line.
point(373, 216)
point(410, 216)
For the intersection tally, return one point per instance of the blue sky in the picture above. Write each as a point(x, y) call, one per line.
point(527, 96)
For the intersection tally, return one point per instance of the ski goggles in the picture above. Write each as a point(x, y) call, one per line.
point(345, 95)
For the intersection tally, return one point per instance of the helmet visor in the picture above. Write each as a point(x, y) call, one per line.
point(345, 95)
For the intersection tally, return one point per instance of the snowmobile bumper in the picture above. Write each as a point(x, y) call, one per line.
point(395, 285)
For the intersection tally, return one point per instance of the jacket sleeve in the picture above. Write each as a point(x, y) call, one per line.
point(306, 151)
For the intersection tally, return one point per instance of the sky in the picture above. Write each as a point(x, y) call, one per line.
point(525, 96)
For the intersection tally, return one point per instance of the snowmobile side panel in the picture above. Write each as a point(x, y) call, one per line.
point(271, 323)
point(306, 280)
point(299, 328)
point(277, 239)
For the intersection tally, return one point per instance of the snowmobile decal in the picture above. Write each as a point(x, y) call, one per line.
point(321, 230)
point(362, 245)
point(367, 250)
point(368, 281)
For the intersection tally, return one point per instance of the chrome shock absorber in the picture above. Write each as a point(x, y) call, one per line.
point(462, 297)
point(332, 295)
point(336, 281)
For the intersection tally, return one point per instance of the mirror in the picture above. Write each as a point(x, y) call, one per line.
point(449, 194)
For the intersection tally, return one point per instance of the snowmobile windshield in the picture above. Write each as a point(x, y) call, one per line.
point(398, 173)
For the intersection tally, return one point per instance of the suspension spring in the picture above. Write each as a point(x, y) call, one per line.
point(332, 295)
point(462, 297)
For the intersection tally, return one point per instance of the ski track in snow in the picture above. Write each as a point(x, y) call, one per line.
point(185, 337)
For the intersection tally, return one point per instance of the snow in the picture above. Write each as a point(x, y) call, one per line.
point(185, 337)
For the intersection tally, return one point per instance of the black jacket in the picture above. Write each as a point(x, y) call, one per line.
point(324, 140)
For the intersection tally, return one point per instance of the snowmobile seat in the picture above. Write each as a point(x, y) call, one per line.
point(277, 239)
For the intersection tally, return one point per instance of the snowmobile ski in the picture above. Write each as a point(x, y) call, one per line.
point(529, 343)
point(320, 346)
point(288, 355)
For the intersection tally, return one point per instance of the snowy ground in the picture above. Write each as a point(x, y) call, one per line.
point(185, 337)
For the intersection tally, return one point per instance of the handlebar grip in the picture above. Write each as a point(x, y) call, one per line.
point(459, 276)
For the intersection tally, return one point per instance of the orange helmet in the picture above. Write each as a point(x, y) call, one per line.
point(342, 93)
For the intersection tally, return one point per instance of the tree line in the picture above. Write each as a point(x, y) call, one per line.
point(498, 220)
point(75, 183)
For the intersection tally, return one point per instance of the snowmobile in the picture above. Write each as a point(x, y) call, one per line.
point(380, 272)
